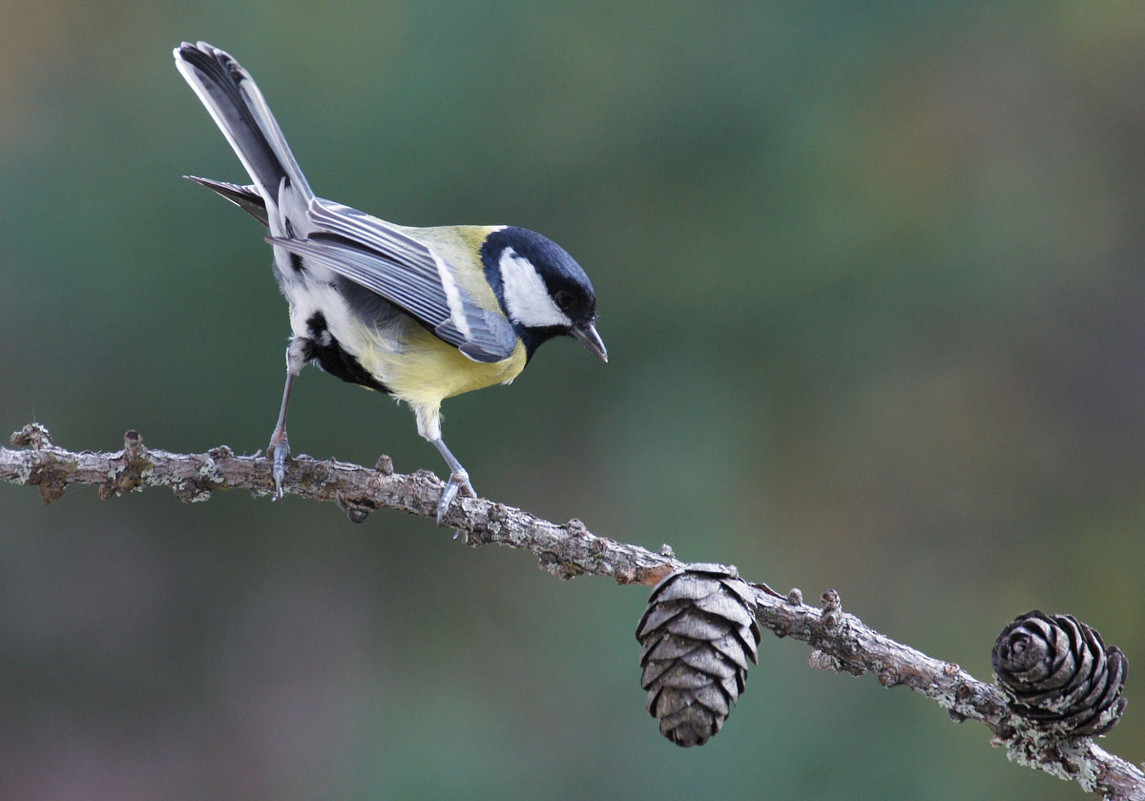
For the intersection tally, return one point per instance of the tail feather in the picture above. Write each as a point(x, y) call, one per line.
point(241, 112)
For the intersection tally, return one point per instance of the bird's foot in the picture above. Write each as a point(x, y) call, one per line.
point(458, 480)
point(280, 447)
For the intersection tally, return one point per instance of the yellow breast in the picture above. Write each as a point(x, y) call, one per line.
point(426, 370)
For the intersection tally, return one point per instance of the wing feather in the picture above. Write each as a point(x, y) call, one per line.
point(386, 260)
point(480, 334)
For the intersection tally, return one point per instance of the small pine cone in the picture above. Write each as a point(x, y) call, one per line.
point(1059, 675)
point(698, 634)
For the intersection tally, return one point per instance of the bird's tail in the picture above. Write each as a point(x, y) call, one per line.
point(239, 109)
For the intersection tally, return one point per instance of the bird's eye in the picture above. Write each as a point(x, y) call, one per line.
point(563, 298)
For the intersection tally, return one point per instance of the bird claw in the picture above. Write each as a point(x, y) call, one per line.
point(281, 449)
point(458, 480)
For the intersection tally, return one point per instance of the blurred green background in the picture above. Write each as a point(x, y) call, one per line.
point(870, 278)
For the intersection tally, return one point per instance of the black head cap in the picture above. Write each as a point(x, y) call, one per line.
point(541, 288)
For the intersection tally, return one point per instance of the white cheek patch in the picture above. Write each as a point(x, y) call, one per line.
point(526, 296)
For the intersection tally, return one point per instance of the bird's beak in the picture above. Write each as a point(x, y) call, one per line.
point(588, 337)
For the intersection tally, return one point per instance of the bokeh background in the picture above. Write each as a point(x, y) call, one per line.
point(870, 277)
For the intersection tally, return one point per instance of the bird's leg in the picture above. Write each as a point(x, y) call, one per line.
point(429, 426)
point(279, 444)
point(458, 480)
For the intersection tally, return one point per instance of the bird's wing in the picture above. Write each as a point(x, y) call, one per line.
point(385, 260)
point(406, 272)
point(246, 198)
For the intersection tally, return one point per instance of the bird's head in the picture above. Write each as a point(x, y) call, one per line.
point(541, 288)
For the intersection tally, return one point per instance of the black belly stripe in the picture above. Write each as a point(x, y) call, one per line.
point(322, 349)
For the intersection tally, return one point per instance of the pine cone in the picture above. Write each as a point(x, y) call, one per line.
point(1059, 675)
point(698, 634)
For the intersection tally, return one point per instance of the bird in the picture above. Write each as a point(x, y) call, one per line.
point(421, 314)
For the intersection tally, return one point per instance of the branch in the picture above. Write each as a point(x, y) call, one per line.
point(840, 641)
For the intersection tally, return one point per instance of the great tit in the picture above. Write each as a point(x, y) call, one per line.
point(419, 313)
